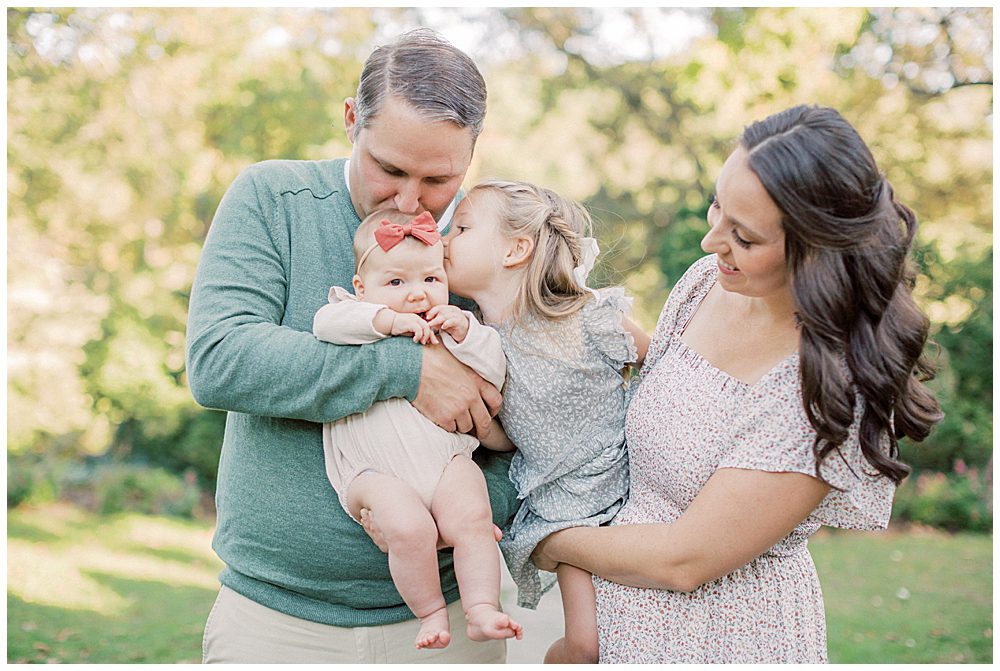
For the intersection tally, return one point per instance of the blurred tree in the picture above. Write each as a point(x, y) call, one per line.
point(124, 129)
point(669, 121)
point(125, 126)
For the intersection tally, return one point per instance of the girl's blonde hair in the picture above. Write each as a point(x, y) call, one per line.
point(557, 226)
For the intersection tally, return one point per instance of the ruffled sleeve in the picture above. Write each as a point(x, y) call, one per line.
point(775, 435)
point(603, 322)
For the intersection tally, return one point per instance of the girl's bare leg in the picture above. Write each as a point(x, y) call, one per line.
point(461, 508)
point(579, 643)
point(411, 536)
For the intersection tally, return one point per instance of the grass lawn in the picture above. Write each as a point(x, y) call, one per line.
point(921, 596)
point(88, 589)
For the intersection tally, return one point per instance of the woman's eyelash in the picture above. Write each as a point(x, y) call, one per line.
point(741, 241)
point(712, 201)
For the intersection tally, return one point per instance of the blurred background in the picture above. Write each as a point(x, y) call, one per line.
point(125, 127)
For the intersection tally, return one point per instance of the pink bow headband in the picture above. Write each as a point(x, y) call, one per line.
point(389, 234)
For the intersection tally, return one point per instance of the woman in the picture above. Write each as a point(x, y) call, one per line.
point(783, 370)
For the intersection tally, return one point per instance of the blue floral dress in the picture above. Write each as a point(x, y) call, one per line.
point(564, 407)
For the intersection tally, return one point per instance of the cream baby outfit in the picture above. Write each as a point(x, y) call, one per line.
point(392, 437)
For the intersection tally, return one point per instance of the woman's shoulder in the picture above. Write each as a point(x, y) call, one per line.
point(685, 296)
point(696, 280)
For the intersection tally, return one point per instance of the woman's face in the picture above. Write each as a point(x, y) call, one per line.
point(745, 233)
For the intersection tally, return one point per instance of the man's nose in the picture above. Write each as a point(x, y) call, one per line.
point(408, 197)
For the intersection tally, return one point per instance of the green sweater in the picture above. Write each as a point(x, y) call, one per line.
point(280, 239)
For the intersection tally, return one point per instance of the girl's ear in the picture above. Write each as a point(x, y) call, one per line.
point(359, 287)
point(519, 251)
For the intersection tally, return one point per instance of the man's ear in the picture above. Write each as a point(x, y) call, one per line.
point(350, 119)
point(519, 251)
point(359, 287)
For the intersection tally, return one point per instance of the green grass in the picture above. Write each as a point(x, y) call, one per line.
point(83, 588)
point(921, 596)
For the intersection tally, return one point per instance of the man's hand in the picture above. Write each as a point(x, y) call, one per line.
point(452, 395)
point(450, 319)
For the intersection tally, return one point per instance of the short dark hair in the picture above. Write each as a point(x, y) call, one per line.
point(427, 72)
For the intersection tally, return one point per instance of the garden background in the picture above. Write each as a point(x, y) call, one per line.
point(125, 126)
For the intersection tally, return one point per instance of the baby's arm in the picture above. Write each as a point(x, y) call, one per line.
point(395, 323)
point(480, 349)
point(347, 321)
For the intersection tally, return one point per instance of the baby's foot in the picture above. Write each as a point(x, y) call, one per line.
point(434, 631)
point(487, 623)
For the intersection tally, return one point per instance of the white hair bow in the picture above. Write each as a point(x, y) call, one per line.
point(589, 251)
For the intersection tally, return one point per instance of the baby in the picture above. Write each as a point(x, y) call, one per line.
point(416, 477)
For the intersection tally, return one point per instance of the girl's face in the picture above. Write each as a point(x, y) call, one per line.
point(474, 249)
point(745, 233)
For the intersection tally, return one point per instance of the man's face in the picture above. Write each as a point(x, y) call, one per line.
point(405, 162)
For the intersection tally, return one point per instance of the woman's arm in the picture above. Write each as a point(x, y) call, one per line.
point(737, 516)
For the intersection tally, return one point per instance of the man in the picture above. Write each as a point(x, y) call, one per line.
point(303, 582)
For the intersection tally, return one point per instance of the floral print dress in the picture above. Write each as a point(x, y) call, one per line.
point(687, 420)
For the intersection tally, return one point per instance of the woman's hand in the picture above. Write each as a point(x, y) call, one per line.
point(375, 533)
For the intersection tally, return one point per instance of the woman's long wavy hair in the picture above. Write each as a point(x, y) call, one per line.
point(847, 241)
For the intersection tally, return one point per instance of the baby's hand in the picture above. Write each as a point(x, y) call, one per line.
point(450, 319)
point(404, 323)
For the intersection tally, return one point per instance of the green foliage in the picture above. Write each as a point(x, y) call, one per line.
point(120, 487)
point(103, 486)
point(961, 500)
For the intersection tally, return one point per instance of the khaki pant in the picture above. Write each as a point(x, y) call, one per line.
point(243, 631)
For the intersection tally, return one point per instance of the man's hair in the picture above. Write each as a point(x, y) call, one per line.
point(428, 73)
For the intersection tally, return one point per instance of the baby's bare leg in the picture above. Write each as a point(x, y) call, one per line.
point(461, 508)
point(411, 537)
point(579, 644)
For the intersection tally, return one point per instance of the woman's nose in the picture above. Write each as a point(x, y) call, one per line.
point(713, 238)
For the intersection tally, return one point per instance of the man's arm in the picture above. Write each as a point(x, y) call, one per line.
point(240, 357)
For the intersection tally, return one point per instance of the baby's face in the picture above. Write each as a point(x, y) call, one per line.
point(409, 277)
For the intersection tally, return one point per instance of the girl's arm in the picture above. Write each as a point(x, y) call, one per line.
point(496, 438)
point(735, 518)
point(640, 337)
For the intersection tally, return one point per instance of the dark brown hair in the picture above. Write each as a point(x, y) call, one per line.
point(847, 241)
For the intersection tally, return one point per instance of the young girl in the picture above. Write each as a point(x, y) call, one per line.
point(416, 477)
point(520, 253)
